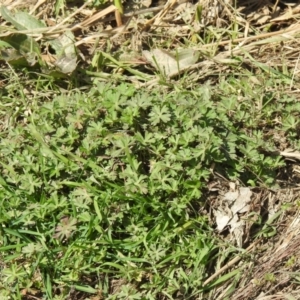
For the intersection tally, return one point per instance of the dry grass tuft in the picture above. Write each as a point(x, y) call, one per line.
point(260, 34)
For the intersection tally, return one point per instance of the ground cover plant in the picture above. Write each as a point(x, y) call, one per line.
point(121, 172)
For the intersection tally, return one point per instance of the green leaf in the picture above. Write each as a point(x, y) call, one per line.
point(7, 16)
point(23, 43)
point(159, 114)
point(85, 289)
point(223, 278)
point(26, 50)
point(28, 21)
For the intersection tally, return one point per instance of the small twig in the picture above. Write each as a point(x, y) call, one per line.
point(94, 17)
point(170, 4)
point(230, 264)
point(275, 6)
point(70, 16)
point(144, 11)
point(39, 3)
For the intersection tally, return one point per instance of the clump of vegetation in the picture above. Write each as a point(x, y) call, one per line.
point(115, 155)
point(111, 182)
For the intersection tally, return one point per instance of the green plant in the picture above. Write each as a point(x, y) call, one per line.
point(109, 182)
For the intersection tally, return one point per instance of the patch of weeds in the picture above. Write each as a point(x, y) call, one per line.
point(270, 277)
point(99, 190)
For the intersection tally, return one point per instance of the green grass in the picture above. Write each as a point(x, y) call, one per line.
point(102, 191)
point(104, 186)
